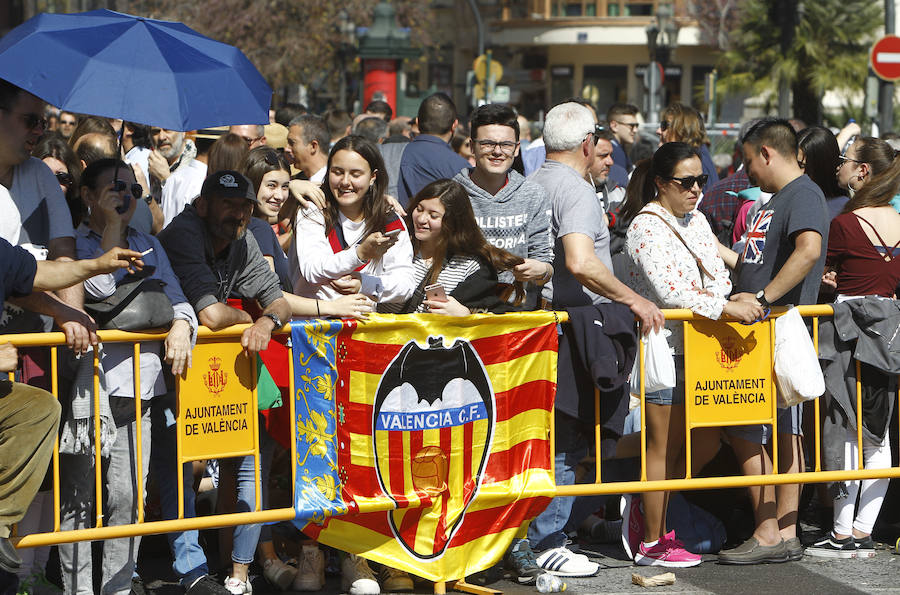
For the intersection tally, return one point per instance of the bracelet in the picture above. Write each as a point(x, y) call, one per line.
point(318, 313)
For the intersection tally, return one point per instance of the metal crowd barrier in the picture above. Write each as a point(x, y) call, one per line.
point(598, 487)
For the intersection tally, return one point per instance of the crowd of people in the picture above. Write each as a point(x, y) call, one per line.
point(341, 215)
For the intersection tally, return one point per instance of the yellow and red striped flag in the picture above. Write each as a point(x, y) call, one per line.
point(423, 439)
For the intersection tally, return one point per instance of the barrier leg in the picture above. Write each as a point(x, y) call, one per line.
point(440, 588)
point(462, 585)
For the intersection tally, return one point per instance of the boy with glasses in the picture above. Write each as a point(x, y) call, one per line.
point(622, 119)
point(512, 212)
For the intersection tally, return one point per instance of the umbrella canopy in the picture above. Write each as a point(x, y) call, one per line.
point(142, 70)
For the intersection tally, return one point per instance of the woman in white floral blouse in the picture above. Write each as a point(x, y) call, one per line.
point(675, 263)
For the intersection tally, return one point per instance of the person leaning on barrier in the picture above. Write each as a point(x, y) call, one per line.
point(781, 264)
point(665, 235)
point(863, 265)
point(582, 278)
point(214, 258)
point(29, 416)
point(111, 196)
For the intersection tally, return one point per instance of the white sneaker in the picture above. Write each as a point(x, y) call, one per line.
point(310, 570)
point(562, 561)
point(357, 578)
point(237, 586)
point(279, 574)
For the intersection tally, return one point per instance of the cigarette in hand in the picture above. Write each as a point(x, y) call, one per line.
point(147, 251)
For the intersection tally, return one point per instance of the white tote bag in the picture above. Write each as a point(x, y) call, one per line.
point(797, 371)
point(659, 365)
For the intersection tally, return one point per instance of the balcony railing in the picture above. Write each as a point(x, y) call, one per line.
point(585, 9)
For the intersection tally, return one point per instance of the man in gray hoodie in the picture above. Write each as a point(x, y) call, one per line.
point(513, 213)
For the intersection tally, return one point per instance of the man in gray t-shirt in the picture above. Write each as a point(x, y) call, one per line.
point(582, 276)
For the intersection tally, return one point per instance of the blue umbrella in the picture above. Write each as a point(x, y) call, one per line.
point(142, 70)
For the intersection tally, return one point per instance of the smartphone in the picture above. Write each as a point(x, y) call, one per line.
point(393, 233)
point(435, 292)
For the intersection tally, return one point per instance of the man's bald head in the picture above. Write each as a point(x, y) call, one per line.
point(94, 146)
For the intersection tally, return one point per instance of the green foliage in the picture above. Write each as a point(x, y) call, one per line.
point(829, 49)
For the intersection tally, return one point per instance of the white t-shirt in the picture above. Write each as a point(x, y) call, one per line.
point(10, 223)
point(182, 188)
point(313, 263)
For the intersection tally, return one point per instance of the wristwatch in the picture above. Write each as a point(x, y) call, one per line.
point(761, 298)
point(148, 199)
point(275, 319)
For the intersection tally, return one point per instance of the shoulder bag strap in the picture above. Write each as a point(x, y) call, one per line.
point(678, 235)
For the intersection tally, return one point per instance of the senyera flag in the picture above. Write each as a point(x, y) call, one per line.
point(422, 441)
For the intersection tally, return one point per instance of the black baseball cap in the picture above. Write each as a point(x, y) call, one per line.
point(228, 184)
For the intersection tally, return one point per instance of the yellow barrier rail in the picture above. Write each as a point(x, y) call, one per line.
point(142, 527)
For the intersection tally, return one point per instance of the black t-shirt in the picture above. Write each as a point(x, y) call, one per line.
point(799, 206)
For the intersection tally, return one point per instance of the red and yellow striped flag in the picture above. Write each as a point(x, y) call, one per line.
point(442, 441)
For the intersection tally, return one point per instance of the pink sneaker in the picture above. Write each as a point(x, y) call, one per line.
point(632, 524)
point(668, 552)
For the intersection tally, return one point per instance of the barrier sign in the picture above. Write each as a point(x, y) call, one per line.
point(728, 378)
point(216, 403)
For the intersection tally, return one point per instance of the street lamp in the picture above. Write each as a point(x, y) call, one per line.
point(345, 49)
point(662, 39)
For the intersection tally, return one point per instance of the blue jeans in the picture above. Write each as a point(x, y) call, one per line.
point(190, 560)
point(246, 537)
point(547, 529)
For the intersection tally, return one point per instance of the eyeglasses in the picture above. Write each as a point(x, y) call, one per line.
point(249, 140)
point(846, 159)
point(31, 120)
point(664, 125)
point(687, 182)
point(137, 190)
point(507, 147)
point(65, 179)
point(632, 125)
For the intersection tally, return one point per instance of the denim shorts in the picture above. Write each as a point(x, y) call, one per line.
point(790, 421)
point(670, 396)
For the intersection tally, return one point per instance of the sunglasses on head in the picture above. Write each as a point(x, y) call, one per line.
point(65, 179)
point(687, 182)
point(136, 189)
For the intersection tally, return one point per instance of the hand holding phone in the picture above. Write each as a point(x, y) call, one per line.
point(435, 292)
point(393, 233)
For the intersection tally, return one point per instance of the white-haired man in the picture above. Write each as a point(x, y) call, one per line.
point(583, 276)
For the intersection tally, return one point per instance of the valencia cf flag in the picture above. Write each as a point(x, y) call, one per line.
point(422, 440)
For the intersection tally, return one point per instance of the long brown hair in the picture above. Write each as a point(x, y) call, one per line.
point(885, 181)
point(685, 125)
point(375, 207)
point(460, 234)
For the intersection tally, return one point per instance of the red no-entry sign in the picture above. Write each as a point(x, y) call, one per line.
point(885, 58)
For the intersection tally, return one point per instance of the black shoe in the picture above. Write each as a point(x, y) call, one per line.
point(865, 547)
point(832, 547)
point(137, 587)
point(9, 557)
point(207, 585)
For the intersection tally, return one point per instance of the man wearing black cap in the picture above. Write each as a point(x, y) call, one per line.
point(214, 259)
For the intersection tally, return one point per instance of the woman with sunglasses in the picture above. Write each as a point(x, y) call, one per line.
point(681, 123)
point(56, 153)
point(110, 194)
point(863, 259)
point(675, 263)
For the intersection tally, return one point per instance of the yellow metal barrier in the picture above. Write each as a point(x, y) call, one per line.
point(99, 532)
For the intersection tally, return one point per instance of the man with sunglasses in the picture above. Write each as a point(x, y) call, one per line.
point(622, 121)
point(781, 264)
point(512, 212)
point(46, 229)
point(253, 134)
